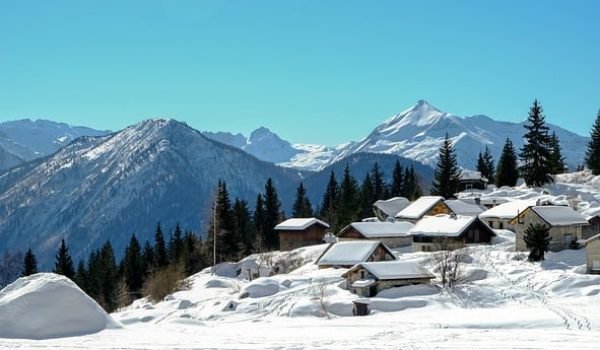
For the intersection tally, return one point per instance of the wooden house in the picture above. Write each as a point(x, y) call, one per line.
point(349, 253)
point(464, 207)
point(368, 279)
point(387, 209)
point(426, 205)
point(300, 232)
point(441, 232)
point(500, 216)
point(392, 234)
point(564, 224)
point(592, 253)
point(471, 180)
point(593, 228)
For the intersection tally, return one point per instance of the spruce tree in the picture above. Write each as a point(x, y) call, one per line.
point(485, 164)
point(537, 239)
point(536, 152)
point(557, 161)
point(81, 276)
point(228, 242)
point(148, 256)
point(592, 155)
point(302, 207)
point(107, 277)
point(29, 264)
point(63, 264)
point(447, 173)
point(379, 185)
point(329, 202)
point(161, 258)
point(481, 166)
point(397, 180)
point(348, 200)
point(258, 218)
point(133, 266)
point(273, 215)
point(367, 197)
point(507, 173)
point(243, 225)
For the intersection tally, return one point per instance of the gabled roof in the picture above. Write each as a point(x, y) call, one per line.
point(379, 229)
point(392, 206)
point(393, 270)
point(472, 175)
point(507, 210)
point(350, 253)
point(555, 215)
point(443, 226)
point(460, 207)
point(299, 224)
point(419, 207)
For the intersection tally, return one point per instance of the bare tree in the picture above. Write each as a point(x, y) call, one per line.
point(449, 257)
point(320, 297)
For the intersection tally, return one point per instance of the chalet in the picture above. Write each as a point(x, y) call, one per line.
point(368, 279)
point(300, 232)
point(565, 225)
point(499, 217)
point(471, 180)
point(464, 207)
point(432, 233)
point(592, 253)
point(387, 209)
point(426, 205)
point(392, 234)
point(350, 253)
point(593, 228)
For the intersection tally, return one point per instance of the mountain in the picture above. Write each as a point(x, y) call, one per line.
point(107, 187)
point(25, 140)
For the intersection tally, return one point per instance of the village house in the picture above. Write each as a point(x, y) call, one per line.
point(368, 279)
point(386, 210)
point(441, 232)
point(426, 205)
point(349, 253)
point(300, 232)
point(471, 180)
point(392, 234)
point(592, 253)
point(593, 228)
point(564, 224)
point(464, 207)
point(500, 216)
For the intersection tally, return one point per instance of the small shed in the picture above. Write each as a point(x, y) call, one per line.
point(565, 225)
point(432, 232)
point(593, 228)
point(426, 205)
point(392, 234)
point(500, 216)
point(592, 253)
point(349, 253)
point(387, 209)
point(300, 232)
point(471, 180)
point(368, 279)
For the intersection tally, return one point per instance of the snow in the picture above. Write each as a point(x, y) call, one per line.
point(348, 253)
point(442, 225)
point(299, 224)
point(392, 206)
point(460, 207)
point(388, 270)
point(261, 287)
point(559, 215)
point(508, 210)
point(363, 283)
point(419, 207)
point(46, 305)
point(471, 175)
point(382, 229)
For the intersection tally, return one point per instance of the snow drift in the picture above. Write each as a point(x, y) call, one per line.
point(47, 305)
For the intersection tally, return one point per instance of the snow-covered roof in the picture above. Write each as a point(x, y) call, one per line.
point(419, 207)
point(442, 225)
point(350, 253)
point(382, 229)
point(559, 215)
point(460, 207)
point(392, 206)
point(472, 175)
point(363, 283)
point(586, 241)
point(507, 210)
point(299, 224)
point(393, 270)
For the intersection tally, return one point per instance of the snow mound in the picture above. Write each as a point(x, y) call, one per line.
point(261, 287)
point(47, 305)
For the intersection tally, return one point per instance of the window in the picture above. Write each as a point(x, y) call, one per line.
point(362, 274)
point(491, 224)
point(501, 225)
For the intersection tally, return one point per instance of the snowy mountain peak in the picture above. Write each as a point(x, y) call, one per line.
point(261, 134)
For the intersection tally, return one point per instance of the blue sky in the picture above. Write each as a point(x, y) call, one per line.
point(312, 71)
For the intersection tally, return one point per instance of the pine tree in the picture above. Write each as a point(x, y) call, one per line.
point(447, 173)
point(273, 215)
point(29, 264)
point(243, 225)
point(367, 197)
point(106, 277)
point(379, 185)
point(161, 258)
point(176, 244)
point(302, 207)
point(63, 264)
point(557, 161)
point(485, 164)
point(397, 180)
point(148, 256)
point(133, 266)
point(507, 173)
point(329, 202)
point(537, 239)
point(481, 166)
point(81, 276)
point(348, 200)
point(592, 155)
point(536, 153)
point(258, 218)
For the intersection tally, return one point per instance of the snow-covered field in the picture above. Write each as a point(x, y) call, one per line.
point(506, 302)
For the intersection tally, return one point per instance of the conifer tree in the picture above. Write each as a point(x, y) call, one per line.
point(302, 207)
point(557, 161)
point(348, 200)
point(397, 180)
point(175, 244)
point(148, 256)
point(29, 264)
point(447, 173)
point(537, 239)
point(379, 186)
point(485, 164)
point(592, 155)
point(243, 225)
point(258, 218)
point(536, 153)
point(161, 258)
point(106, 277)
point(367, 197)
point(329, 202)
point(273, 215)
point(192, 253)
point(507, 173)
point(81, 276)
point(133, 266)
point(63, 264)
